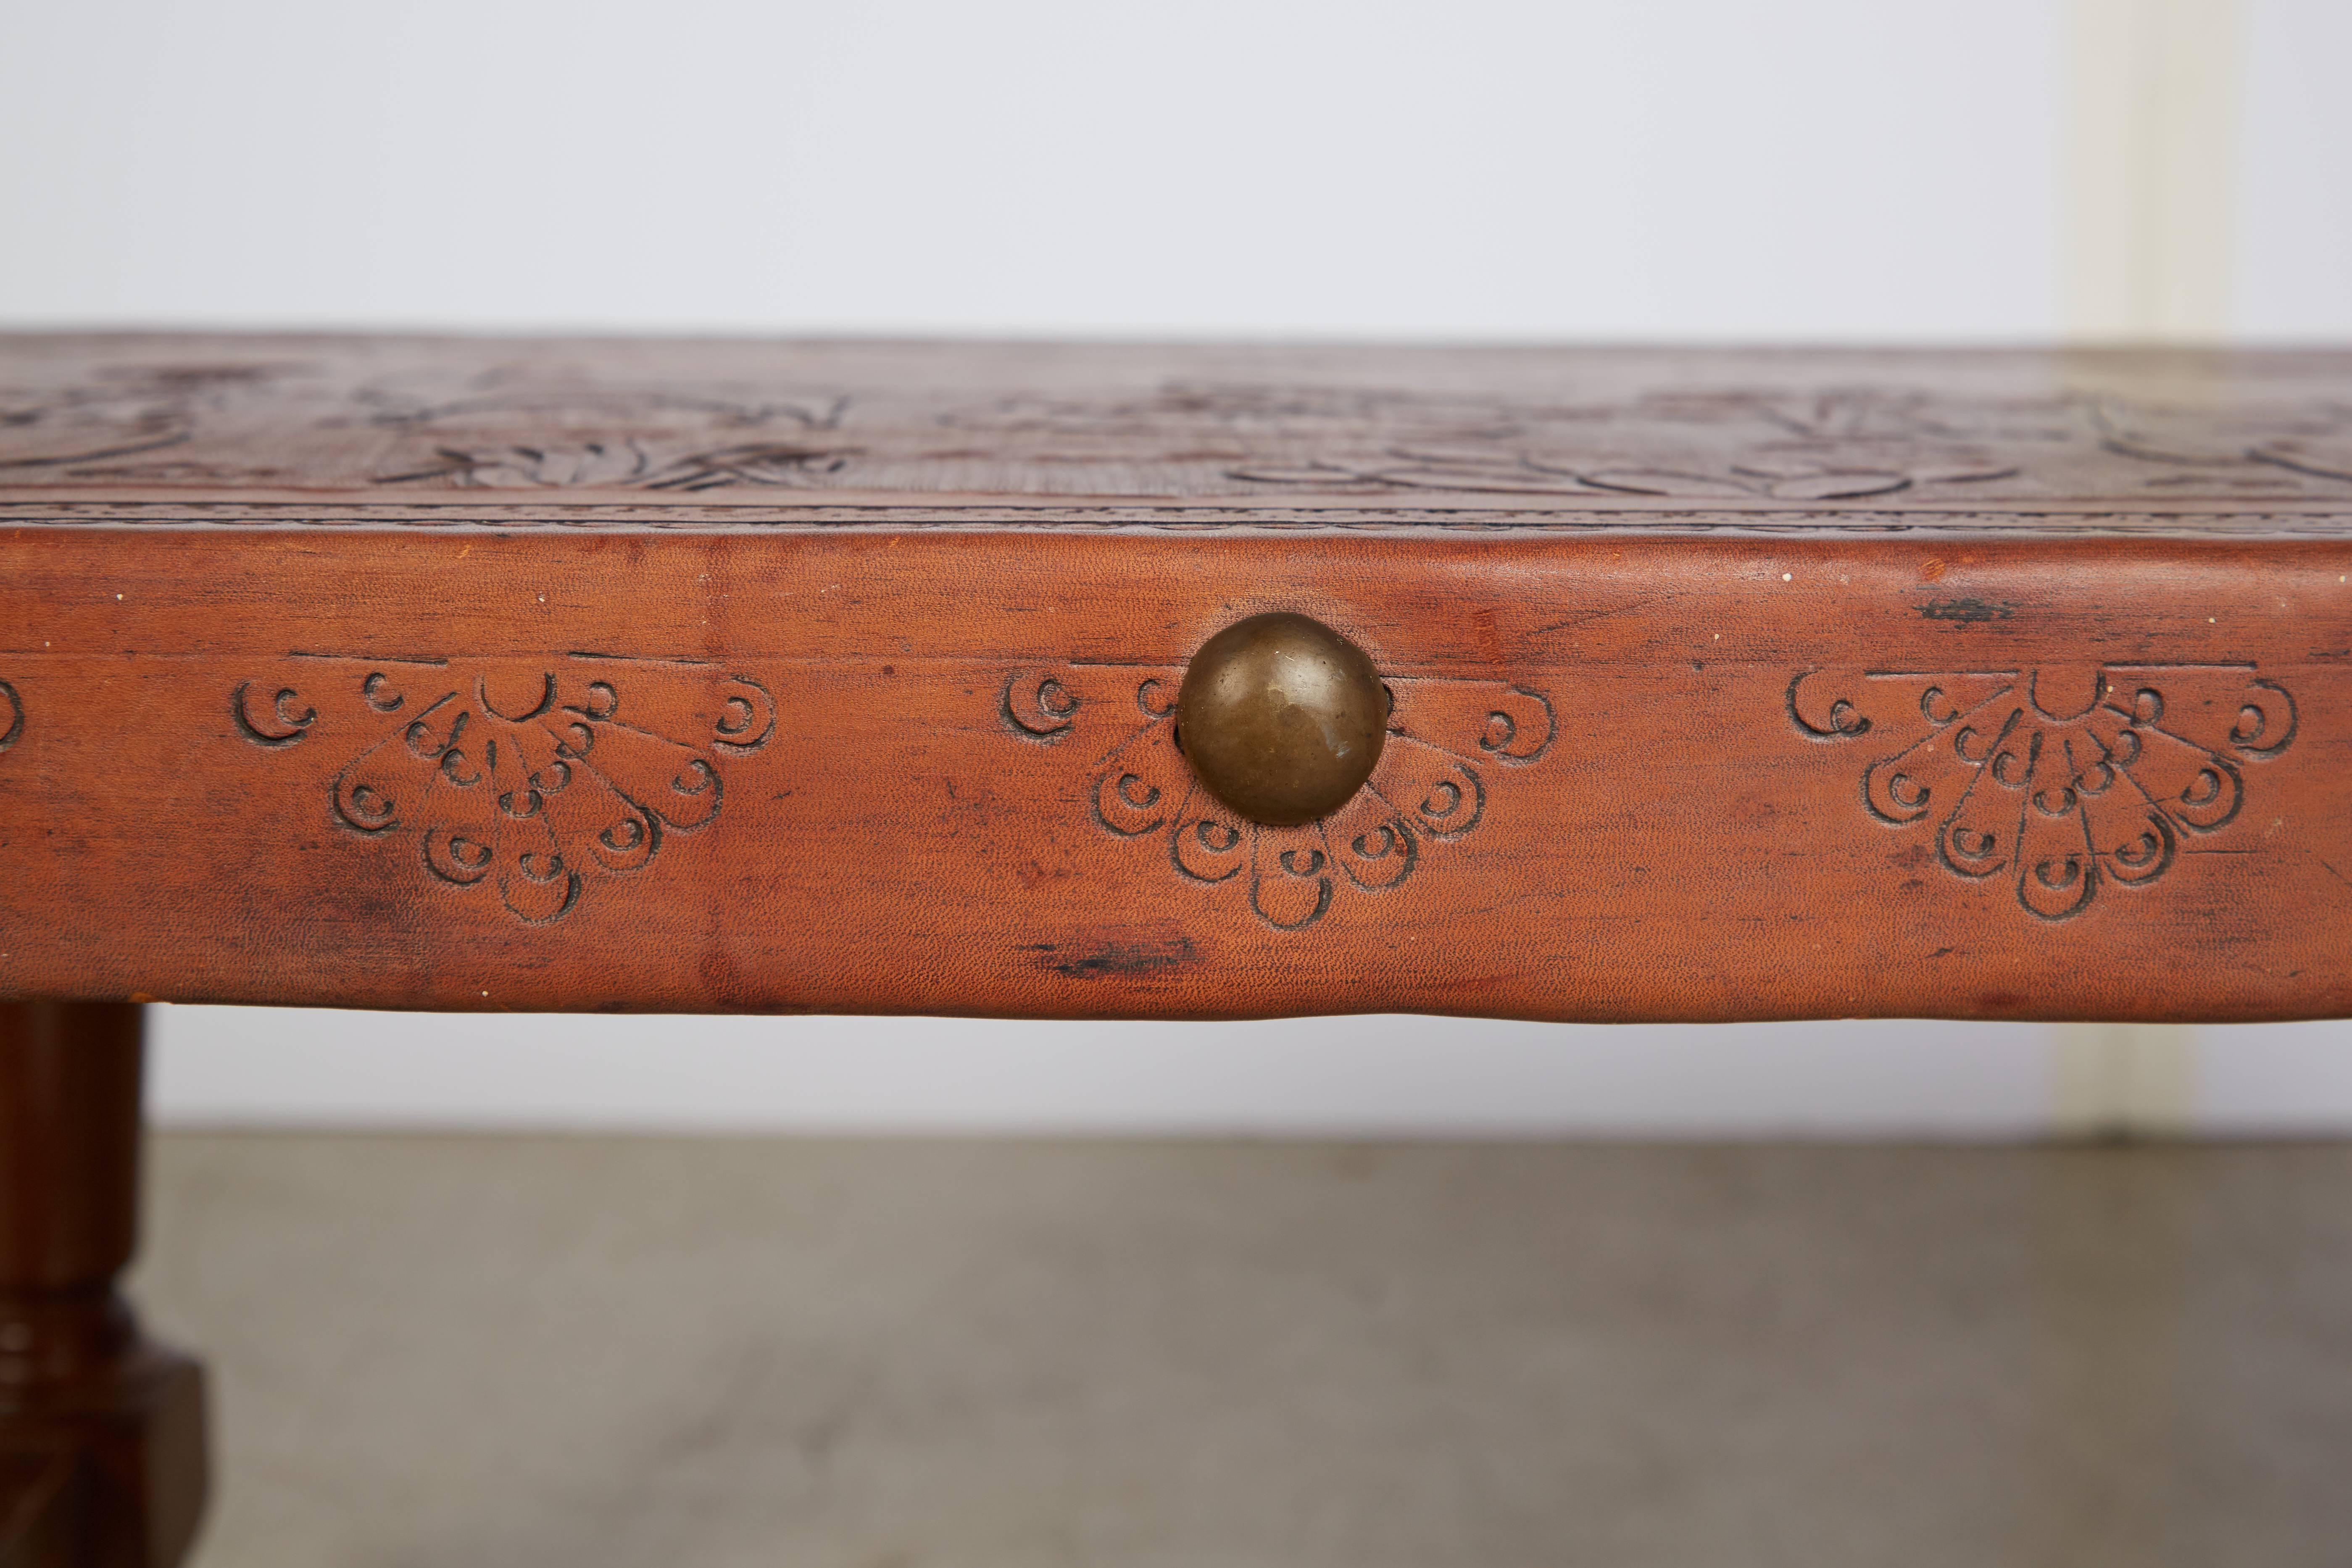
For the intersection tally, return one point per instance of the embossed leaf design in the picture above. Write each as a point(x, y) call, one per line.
point(532, 778)
point(2058, 782)
point(1447, 740)
point(578, 437)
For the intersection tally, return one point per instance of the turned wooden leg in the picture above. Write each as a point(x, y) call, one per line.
point(101, 1433)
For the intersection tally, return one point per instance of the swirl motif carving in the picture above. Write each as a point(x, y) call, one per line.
point(2060, 783)
point(12, 716)
point(534, 779)
point(1448, 741)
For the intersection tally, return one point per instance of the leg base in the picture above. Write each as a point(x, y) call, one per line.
point(105, 1469)
point(101, 1432)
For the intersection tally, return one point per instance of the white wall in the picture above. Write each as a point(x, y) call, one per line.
point(1665, 169)
point(1620, 168)
point(231, 1066)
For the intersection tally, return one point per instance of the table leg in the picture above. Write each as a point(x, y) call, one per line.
point(101, 1432)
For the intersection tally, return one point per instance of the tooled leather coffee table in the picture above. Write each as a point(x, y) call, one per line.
point(862, 676)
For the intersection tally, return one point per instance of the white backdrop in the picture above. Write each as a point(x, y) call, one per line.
point(1611, 168)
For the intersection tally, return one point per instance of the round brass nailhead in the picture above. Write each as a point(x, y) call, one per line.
point(1281, 718)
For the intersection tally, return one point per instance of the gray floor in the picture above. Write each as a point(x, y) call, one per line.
point(533, 1352)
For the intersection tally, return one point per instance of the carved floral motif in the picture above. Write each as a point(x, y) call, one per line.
point(529, 778)
point(643, 440)
point(1429, 790)
point(2059, 781)
point(1726, 446)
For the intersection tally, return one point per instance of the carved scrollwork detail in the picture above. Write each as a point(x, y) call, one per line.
point(12, 716)
point(1831, 443)
point(109, 419)
point(1834, 445)
point(641, 440)
point(1448, 741)
point(1038, 706)
point(2058, 782)
point(534, 779)
point(278, 719)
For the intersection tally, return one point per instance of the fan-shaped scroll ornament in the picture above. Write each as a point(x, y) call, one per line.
point(1449, 743)
point(532, 778)
point(2056, 782)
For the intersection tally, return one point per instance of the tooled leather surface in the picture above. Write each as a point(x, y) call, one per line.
point(520, 422)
